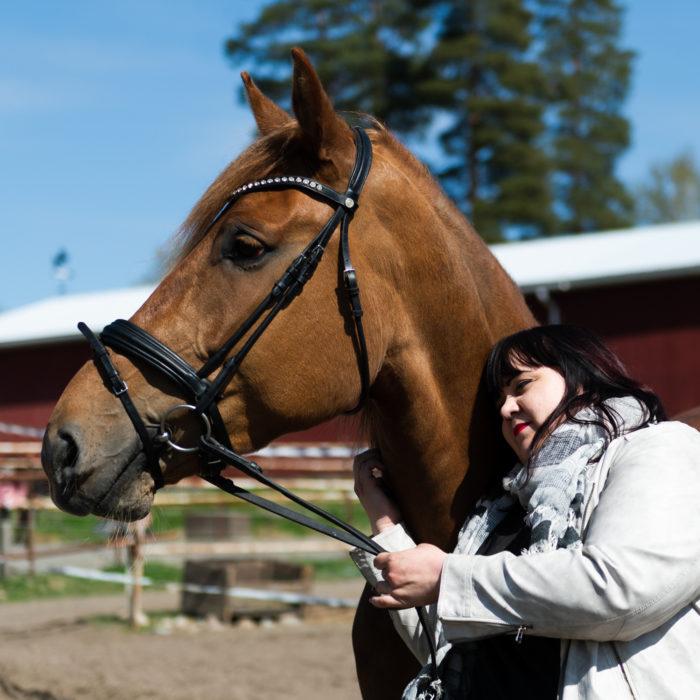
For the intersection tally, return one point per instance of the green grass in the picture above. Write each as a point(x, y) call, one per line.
point(23, 588)
point(262, 523)
point(155, 570)
point(55, 526)
point(58, 527)
point(324, 569)
point(332, 569)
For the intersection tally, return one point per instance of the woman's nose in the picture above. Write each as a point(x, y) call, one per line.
point(508, 407)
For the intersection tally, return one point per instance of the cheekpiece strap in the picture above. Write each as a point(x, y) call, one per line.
point(112, 379)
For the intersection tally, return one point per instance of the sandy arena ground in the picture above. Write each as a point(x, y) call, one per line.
point(68, 649)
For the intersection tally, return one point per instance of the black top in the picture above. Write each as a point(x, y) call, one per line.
point(501, 667)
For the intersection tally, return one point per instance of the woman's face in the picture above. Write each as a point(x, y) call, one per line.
point(527, 401)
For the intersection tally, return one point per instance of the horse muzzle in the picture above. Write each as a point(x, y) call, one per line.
point(120, 489)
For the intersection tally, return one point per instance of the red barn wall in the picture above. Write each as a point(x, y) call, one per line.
point(33, 377)
point(654, 326)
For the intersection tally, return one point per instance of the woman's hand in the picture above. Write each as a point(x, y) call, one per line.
point(381, 510)
point(411, 577)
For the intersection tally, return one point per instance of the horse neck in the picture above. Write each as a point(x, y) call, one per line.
point(437, 431)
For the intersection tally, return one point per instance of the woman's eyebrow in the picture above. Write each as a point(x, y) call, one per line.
point(504, 387)
point(514, 376)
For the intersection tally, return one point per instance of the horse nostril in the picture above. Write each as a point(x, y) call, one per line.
point(66, 450)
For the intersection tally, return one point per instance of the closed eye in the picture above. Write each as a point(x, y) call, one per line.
point(522, 384)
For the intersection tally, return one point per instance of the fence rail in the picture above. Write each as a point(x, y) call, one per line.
point(231, 591)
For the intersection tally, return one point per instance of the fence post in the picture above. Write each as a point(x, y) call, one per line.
point(137, 618)
point(5, 539)
point(29, 542)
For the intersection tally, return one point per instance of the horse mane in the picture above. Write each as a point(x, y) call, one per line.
point(272, 155)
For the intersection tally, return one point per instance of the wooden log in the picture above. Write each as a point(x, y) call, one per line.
point(223, 575)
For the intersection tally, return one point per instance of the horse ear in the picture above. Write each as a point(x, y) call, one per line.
point(268, 115)
point(324, 130)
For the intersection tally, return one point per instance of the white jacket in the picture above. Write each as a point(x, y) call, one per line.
point(626, 606)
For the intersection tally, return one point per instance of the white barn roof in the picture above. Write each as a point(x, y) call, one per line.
point(588, 259)
point(56, 318)
point(560, 262)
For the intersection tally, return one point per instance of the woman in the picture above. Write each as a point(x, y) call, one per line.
point(581, 579)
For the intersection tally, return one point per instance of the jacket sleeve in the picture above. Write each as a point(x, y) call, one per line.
point(405, 621)
point(639, 564)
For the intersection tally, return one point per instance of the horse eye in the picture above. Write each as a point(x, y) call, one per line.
point(244, 248)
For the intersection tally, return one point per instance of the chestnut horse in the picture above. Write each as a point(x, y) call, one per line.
point(435, 301)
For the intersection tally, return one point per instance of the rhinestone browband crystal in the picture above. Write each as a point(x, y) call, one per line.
point(277, 180)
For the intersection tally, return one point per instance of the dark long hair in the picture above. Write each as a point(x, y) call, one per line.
point(591, 371)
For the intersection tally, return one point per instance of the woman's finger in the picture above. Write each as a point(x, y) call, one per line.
point(382, 587)
point(382, 560)
point(386, 601)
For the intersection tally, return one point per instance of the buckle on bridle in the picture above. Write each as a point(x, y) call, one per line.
point(120, 387)
point(166, 432)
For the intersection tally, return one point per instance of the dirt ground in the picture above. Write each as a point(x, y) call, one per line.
point(70, 649)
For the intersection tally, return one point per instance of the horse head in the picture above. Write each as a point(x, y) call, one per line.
point(303, 368)
point(429, 290)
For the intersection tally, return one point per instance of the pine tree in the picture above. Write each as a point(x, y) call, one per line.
point(492, 94)
point(365, 51)
point(525, 95)
point(588, 78)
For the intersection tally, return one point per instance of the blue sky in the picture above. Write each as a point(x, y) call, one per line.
point(114, 116)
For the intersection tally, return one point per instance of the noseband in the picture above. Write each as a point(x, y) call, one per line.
point(202, 393)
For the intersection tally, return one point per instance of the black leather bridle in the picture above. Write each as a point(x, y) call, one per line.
point(198, 387)
point(202, 393)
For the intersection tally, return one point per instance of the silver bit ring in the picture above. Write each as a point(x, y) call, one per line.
point(166, 431)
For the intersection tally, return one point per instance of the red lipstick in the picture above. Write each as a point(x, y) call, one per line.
point(519, 428)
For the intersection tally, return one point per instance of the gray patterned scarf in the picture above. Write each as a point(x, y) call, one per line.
point(551, 489)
